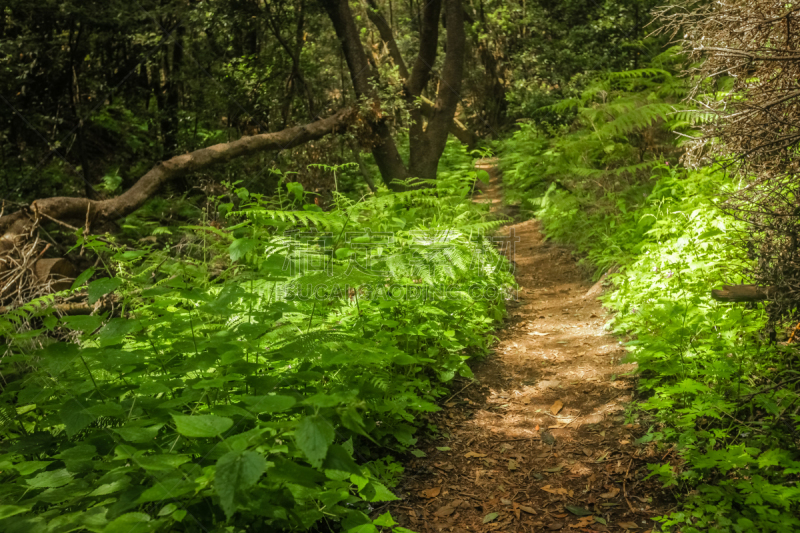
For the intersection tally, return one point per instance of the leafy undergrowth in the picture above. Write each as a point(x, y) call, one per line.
point(714, 387)
point(262, 378)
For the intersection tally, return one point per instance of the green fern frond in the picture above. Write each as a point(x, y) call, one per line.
point(639, 73)
point(638, 118)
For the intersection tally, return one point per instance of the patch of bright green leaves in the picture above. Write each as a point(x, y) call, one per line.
point(229, 402)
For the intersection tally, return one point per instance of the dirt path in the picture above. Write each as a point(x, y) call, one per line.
point(539, 441)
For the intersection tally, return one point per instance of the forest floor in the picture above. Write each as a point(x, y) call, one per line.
point(539, 441)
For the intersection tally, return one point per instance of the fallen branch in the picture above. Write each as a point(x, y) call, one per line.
point(76, 308)
point(63, 209)
point(743, 293)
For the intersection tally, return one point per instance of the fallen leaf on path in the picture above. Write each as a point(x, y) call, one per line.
point(610, 494)
point(556, 407)
point(432, 493)
point(450, 404)
point(587, 452)
point(554, 469)
point(555, 525)
point(474, 454)
point(489, 517)
point(418, 453)
point(586, 521)
point(628, 525)
point(443, 448)
point(447, 510)
point(577, 511)
point(527, 509)
point(538, 334)
point(551, 490)
point(512, 465)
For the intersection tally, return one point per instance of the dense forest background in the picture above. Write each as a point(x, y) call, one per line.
point(175, 173)
point(95, 94)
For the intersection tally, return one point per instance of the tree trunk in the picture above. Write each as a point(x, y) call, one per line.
point(385, 150)
point(743, 293)
point(426, 144)
point(426, 153)
point(457, 129)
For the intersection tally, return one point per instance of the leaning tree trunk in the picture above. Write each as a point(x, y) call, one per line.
point(426, 144)
point(80, 211)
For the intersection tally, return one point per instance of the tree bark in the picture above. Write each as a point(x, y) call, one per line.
point(83, 210)
point(387, 35)
point(387, 157)
point(457, 129)
point(743, 293)
point(426, 153)
point(425, 145)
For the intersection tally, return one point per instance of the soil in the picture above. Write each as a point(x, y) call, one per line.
point(539, 441)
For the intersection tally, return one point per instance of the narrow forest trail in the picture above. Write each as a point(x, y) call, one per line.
point(539, 439)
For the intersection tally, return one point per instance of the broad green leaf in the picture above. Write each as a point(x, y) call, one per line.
point(313, 436)
point(11, 510)
point(51, 479)
point(100, 287)
point(82, 278)
point(111, 409)
point(377, 492)
point(83, 323)
point(168, 488)
point(489, 517)
point(168, 509)
point(291, 472)
point(27, 468)
point(268, 404)
point(241, 247)
point(202, 425)
point(129, 523)
point(385, 520)
point(74, 416)
point(165, 461)
point(236, 472)
point(358, 522)
point(339, 459)
point(111, 488)
point(138, 434)
point(116, 329)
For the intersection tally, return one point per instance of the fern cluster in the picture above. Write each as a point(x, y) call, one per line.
point(620, 126)
point(258, 380)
